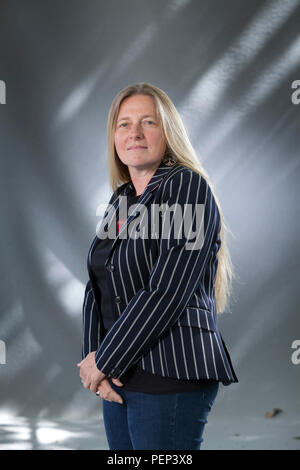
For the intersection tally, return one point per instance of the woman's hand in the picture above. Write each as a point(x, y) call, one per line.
point(90, 375)
point(107, 392)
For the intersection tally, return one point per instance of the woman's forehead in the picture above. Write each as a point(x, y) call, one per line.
point(137, 103)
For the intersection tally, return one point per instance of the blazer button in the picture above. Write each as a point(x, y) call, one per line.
point(111, 267)
point(118, 299)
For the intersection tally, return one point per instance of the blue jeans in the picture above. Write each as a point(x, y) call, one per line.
point(158, 421)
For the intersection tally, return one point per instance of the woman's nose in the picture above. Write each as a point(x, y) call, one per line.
point(136, 130)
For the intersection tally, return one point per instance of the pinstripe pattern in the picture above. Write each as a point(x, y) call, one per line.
point(166, 311)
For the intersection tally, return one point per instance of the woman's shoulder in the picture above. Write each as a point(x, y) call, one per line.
point(187, 186)
point(183, 177)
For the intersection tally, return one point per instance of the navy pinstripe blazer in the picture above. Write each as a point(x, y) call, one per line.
point(162, 293)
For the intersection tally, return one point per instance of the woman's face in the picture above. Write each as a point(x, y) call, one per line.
point(139, 138)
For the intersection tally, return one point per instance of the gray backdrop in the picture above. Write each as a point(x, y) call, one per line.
point(229, 68)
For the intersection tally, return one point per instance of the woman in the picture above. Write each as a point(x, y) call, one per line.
point(159, 273)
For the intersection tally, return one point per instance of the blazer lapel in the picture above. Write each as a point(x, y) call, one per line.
point(119, 198)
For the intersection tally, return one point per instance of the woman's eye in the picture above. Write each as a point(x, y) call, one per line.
point(125, 124)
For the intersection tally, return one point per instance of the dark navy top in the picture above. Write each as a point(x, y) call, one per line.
point(135, 378)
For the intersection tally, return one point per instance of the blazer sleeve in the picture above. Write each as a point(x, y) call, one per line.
point(90, 322)
point(173, 280)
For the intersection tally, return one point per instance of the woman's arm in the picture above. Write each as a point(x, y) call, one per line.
point(91, 318)
point(90, 322)
point(174, 278)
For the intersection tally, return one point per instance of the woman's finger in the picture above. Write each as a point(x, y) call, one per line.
point(117, 382)
point(108, 393)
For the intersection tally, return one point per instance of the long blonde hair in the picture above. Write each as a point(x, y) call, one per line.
point(180, 148)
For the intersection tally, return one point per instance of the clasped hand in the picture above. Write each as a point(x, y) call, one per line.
point(92, 378)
